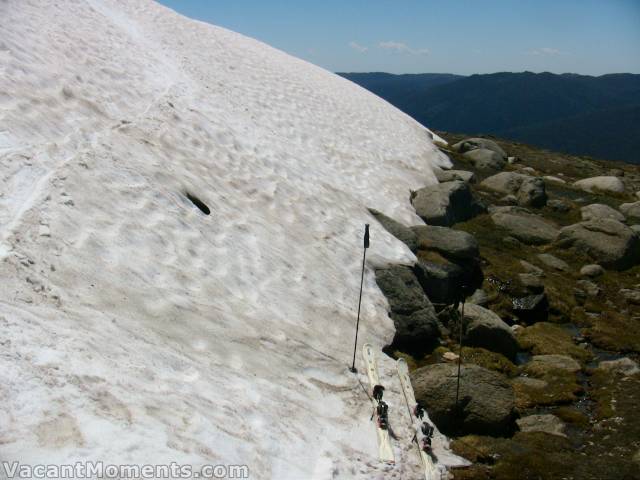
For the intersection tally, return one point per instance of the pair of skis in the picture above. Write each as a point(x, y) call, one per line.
point(422, 438)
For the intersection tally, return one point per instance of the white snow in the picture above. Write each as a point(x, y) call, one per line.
point(135, 329)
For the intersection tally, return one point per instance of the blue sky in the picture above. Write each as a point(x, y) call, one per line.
point(454, 36)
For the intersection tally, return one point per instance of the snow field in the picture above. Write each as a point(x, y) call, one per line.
point(135, 329)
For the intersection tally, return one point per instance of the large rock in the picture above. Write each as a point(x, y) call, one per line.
point(487, 402)
point(453, 175)
point(529, 191)
point(487, 330)
point(484, 159)
point(412, 313)
point(631, 210)
point(478, 143)
point(605, 184)
point(398, 230)
point(448, 242)
point(598, 210)
point(608, 242)
point(446, 203)
point(528, 228)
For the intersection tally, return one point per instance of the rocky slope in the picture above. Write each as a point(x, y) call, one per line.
point(545, 248)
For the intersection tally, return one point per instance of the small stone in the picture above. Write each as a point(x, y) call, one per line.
point(450, 357)
point(553, 262)
point(530, 268)
point(592, 271)
point(616, 172)
point(546, 423)
point(452, 175)
point(531, 282)
point(530, 170)
point(559, 205)
point(590, 288)
point(625, 365)
point(631, 296)
point(550, 178)
point(44, 231)
point(513, 160)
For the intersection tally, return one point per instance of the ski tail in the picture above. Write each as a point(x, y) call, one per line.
point(431, 472)
point(385, 450)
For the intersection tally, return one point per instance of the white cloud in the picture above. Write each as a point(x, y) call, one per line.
point(402, 48)
point(546, 51)
point(357, 47)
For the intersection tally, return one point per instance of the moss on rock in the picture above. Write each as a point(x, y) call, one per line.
point(546, 338)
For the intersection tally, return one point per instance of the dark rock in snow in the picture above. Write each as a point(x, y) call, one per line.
point(446, 203)
point(398, 230)
point(443, 280)
point(402, 289)
point(413, 315)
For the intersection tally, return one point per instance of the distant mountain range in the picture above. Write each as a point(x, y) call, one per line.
point(577, 114)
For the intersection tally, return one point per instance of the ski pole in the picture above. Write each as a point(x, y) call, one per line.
point(460, 349)
point(364, 256)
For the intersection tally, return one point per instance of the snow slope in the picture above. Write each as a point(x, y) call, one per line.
point(134, 328)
